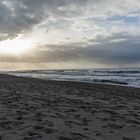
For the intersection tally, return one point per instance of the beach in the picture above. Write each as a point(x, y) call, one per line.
point(33, 109)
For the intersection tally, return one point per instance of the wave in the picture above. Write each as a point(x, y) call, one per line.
point(129, 77)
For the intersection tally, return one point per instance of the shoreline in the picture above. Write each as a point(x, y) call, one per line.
point(74, 81)
point(123, 77)
point(37, 109)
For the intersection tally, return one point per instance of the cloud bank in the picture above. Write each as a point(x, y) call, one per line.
point(91, 32)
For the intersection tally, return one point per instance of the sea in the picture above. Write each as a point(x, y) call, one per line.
point(126, 77)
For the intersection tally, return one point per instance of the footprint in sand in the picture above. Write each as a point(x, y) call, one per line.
point(64, 138)
point(128, 138)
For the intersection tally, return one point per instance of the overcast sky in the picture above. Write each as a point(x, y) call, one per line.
point(36, 34)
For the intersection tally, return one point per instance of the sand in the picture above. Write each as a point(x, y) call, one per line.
point(32, 109)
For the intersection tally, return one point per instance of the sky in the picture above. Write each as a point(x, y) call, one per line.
point(61, 34)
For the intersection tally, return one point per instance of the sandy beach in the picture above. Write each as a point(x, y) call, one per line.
point(32, 109)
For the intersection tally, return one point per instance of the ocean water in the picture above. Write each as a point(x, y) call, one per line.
point(126, 77)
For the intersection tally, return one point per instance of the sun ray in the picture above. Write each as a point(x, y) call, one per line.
point(16, 46)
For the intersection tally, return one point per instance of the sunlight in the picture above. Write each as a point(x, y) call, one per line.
point(16, 46)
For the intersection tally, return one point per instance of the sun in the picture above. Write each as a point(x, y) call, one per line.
point(16, 46)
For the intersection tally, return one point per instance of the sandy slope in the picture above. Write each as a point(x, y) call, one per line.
point(32, 109)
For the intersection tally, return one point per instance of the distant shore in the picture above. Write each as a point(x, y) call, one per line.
point(33, 109)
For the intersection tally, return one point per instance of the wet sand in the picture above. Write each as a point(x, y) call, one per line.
point(32, 109)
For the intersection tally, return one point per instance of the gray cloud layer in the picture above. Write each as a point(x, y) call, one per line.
point(18, 16)
point(21, 15)
point(88, 16)
point(118, 49)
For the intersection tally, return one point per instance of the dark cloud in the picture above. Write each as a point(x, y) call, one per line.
point(7, 36)
point(21, 15)
point(16, 17)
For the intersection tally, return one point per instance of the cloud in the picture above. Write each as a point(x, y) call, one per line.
point(7, 36)
point(17, 17)
point(115, 50)
point(73, 31)
point(22, 15)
